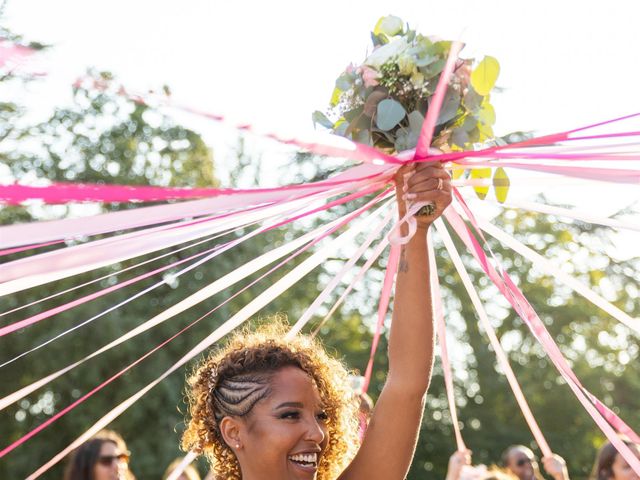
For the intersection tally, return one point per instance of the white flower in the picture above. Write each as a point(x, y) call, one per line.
point(383, 54)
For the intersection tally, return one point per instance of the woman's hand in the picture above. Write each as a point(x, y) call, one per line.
point(423, 182)
point(390, 441)
point(456, 462)
point(556, 467)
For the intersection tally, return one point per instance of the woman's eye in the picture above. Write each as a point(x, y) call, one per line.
point(323, 416)
point(290, 415)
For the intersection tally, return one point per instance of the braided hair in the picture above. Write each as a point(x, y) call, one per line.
point(231, 380)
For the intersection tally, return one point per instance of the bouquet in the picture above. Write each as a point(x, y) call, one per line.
point(383, 101)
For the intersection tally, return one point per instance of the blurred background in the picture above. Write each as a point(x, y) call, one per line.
point(563, 65)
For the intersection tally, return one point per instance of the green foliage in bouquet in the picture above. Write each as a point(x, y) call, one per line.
point(383, 101)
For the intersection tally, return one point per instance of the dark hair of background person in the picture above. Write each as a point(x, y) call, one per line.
point(602, 467)
point(84, 458)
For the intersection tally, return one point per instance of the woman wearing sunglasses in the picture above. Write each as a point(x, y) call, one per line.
point(521, 461)
point(104, 457)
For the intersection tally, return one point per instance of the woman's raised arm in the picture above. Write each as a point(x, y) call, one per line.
point(390, 440)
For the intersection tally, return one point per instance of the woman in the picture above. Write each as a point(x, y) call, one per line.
point(269, 408)
point(610, 465)
point(521, 461)
point(104, 457)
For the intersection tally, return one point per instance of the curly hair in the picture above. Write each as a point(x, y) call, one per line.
point(231, 380)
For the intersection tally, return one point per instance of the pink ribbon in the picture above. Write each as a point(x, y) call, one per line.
point(429, 125)
point(511, 292)
point(37, 232)
point(31, 271)
point(87, 298)
point(438, 312)
point(213, 252)
point(493, 339)
point(383, 305)
point(367, 154)
point(263, 299)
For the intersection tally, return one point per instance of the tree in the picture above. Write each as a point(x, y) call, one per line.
point(105, 137)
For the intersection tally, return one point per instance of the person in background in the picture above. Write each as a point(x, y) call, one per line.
point(103, 457)
point(460, 468)
point(521, 461)
point(610, 465)
point(188, 473)
point(496, 473)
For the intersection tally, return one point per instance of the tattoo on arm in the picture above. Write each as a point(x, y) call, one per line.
point(403, 265)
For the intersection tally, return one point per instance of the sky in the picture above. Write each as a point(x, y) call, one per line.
point(564, 64)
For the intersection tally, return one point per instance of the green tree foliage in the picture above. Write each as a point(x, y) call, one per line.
point(602, 352)
point(104, 137)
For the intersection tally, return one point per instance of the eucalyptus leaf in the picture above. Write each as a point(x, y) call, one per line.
point(474, 134)
point(449, 108)
point(433, 69)
point(344, 82)
point(386, 135)
point(487, 114)
point(378, 40)
point(341, 127)
point(485, 132)
point(389, 114)
point(481, 173)
point(501, 184)
point(472, 100)
point(335, 97)
point(415, 121)
point(460, 137)
point(351, 115)
point(363, 136)
point(371, 104)
point(321, 118)
point(442, 47)
point(406, 139)
point(484, 77)
point(457, 171)
point(470, 122)
point(401, 142)
point(426, 60)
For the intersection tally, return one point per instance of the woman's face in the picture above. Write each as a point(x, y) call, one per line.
point(285, 433)
point(522, 463)
point(112, 463)
point(621, 469)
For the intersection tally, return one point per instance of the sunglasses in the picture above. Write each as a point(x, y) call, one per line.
point(523, 461)
point(107, 460)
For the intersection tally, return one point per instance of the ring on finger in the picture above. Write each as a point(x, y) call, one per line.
point(427, 210)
